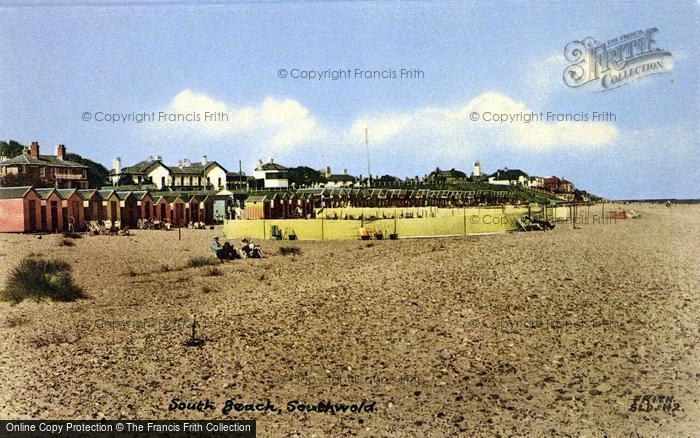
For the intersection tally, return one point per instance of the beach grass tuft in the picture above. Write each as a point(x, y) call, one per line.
point(195, 262)
point(289, 250)
point(40, 279)
point(213, 271)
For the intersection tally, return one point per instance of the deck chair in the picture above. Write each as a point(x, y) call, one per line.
point(521, 225)
point(91, 227)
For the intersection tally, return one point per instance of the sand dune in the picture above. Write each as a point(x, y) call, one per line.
point(527, 334)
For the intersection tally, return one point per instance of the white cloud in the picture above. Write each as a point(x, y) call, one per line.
point(440, 134)
point(273, 124)
point(450, 127)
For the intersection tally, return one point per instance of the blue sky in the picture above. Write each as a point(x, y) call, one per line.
point(57, 62)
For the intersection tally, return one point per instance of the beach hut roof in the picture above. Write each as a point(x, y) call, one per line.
point(123, 194)
point(256, 198)
point(86, 194)
point(44, 193)
point(201, 197)
point(14, 192)
point(140, 194)
point(105, 193)
point(172, 198)
point(65, 193)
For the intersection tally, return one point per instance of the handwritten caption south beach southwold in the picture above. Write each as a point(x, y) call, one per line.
point(233, 406)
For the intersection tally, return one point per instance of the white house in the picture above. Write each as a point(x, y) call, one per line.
point(339, 179)
point(205, 174)
point(149, 171)
point(185, 175)
point(509, 177)
point(271, 174)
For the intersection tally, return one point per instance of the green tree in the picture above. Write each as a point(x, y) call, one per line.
point(304, 176)
point(97, 174)
point(11, 149)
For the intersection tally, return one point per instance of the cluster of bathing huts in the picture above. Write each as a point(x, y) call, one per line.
point(305, 203)
point(28, 209)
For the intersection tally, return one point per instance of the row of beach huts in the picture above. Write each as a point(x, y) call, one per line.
point(30, 210)
point(307, 202)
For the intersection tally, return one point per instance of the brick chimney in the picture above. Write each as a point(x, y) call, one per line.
point(34, 149)
point(60, 151)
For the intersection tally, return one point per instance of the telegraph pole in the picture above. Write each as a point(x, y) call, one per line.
point(369, 173)
point(240, 173)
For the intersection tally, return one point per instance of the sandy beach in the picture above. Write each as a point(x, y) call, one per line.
point(521, 334)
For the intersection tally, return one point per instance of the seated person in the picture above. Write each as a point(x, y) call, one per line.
point(230, 252)
point(250, 250)
point(217, 249)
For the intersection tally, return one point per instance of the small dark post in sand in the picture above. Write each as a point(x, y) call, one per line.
point(194, 341)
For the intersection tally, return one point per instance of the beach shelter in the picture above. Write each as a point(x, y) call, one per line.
point(128, 209)
point(206, 208)
point(51, 209)
point(257, 207)
point(110, 204)
point(160, 207)
point(276, 206)
point(144, 202)
point(19, 210)
point(191, 208)
point(176, 210)
point(73, 211)
point(93, 210)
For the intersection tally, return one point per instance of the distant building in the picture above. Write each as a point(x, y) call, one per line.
point(271, 175)
point(476, 170)
point(536, 182)
point(442, 177)
point(184, 176)
point(46, 170)
point(238, 180)
point(203, 175)
point(149, 171)
point(555, 184)
point(509, 177)
point(339, 180)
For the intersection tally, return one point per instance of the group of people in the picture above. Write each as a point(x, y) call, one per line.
point(229, 252)
point(154, 224)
